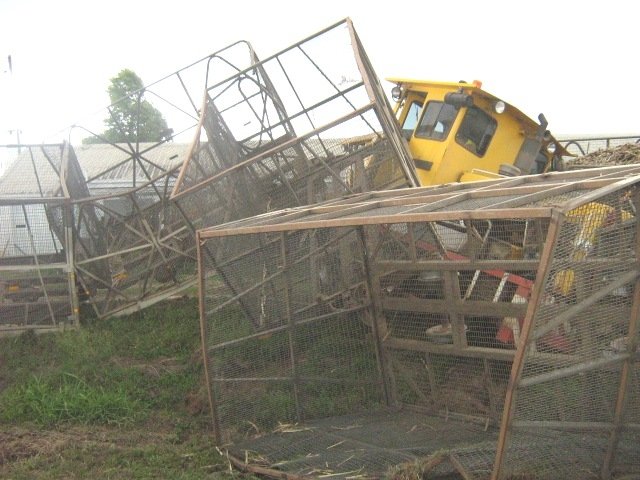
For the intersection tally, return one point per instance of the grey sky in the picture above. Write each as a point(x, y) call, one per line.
point(571, 61)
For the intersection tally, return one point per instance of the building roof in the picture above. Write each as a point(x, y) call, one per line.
point(35, 171)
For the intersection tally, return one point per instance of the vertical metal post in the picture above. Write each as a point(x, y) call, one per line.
point(526, 339)
point(291, 324)
point(629, 364)
point(382, 108)
point(70, 254)
point(205, 342)
point(379, 323)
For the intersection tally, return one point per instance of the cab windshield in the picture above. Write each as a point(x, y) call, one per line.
point(436, 121)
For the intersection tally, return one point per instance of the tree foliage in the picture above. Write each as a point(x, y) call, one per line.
point(131, 117)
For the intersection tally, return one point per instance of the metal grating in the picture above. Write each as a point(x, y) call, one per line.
point(501, 329)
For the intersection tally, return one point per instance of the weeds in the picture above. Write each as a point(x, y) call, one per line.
point(118, 398)
point(67, 398)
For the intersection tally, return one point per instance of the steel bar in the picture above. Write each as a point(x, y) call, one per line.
point(375, 220)
point(379, 325)
point(589, 301)
point(298, 378)
point(215, 422)
point(574, 370)
point(387, 266)
point(392, 343)
point(454, 307)
point(459, 466)
point(291, 325)
point(629, 367)
point(282, 328)
point(522, 349)
point(607, 427)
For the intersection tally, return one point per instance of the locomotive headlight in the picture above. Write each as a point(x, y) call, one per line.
point(499, 107)
point(396, 93)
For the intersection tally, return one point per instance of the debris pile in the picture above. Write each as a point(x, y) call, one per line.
point(626, 154)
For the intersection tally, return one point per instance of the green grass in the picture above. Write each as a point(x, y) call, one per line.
point(118, 398)
point(69, 399)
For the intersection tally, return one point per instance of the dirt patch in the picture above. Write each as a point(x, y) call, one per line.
point(623, 155)
point(197, 402)
point(16, 444)
point(154, 368)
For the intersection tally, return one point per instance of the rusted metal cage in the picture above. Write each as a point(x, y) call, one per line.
point(37, 287)
point(133, 245)
point(485, 330)
point(247, 136)
point(307, 124)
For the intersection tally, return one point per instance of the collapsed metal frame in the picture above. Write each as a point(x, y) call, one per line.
point(135, 215)
point(237, 176)
point(118, 213)
point(523, 441)
point(134, 243)
point(37, 279)
point(270, 153)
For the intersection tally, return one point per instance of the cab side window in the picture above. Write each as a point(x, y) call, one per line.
point(476, 131)
point(411, 120)
point(436, 120)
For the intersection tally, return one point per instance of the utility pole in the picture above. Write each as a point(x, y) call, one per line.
point(12, 93)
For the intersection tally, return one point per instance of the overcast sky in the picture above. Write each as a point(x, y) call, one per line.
point(569, 60)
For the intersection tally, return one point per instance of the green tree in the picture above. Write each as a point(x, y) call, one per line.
point(131, 117)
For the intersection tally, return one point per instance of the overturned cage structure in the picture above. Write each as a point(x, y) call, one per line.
point(485, 330)
point(305, 125)
point(271, 134)
point(37, 280)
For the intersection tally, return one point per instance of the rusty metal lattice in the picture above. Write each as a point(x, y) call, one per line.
point(247, 136)
point(306, 125)
point(37, 288)
point(134, 245)
point(489, 329)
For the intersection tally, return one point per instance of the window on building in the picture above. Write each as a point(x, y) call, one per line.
point(476, 131)
point(436, 120)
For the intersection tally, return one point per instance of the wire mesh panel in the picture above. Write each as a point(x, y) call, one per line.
point(590, 145)
point(301, 127)
point(295, 342)
point(37, 289)
point(306, 125)
point(35, 272)
point(397, 303)
point(577, 378)
point(133, 248)
point(133, 245)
